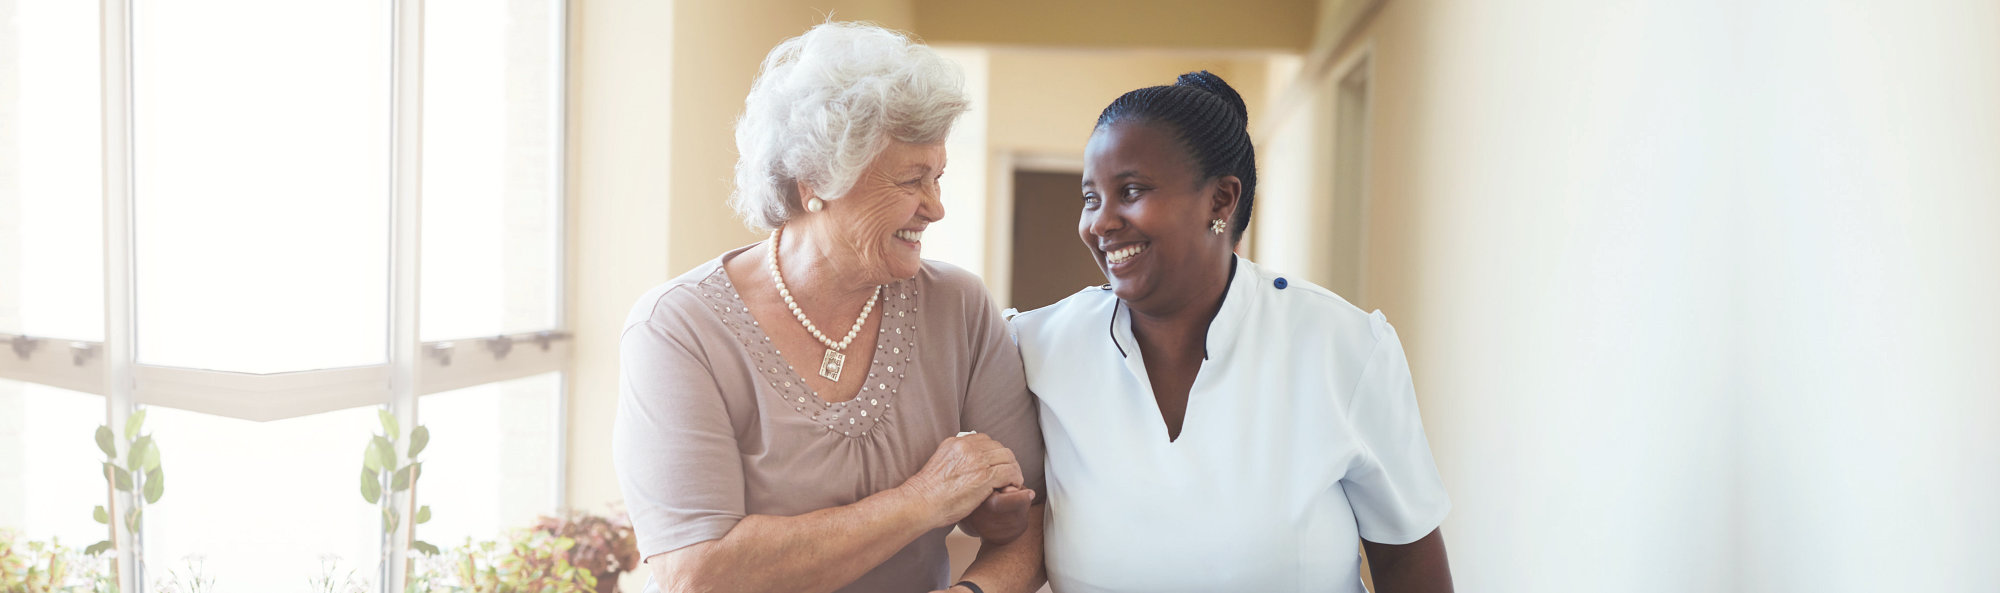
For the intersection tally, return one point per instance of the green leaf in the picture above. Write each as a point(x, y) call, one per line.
point(369, 460)
point(389, 425)
point(133, 422)
point(100, 515)
point(122, 479)
point(97, 548)
point(136, 456)
point(156, 485)
point(106, 443)
point(401, 481)
point(419, 437)
point(385, 453)
point(423, 546)
point(371, 486)
point(152, 459)
point(423, 514)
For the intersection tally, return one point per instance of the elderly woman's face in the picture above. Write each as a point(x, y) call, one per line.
point(883, 218)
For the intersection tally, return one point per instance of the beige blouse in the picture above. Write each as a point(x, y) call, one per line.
point(714, 425)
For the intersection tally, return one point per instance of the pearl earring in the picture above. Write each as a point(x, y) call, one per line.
point(815, 204)
point(1217, 226)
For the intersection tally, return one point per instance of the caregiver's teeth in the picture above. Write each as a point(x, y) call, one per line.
point(911, 236)
point(1121, 255)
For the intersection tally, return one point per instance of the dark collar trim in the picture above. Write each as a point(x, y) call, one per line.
point(1112, 329)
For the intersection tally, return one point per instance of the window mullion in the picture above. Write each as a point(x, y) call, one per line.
point(115, 39)
point(561, 166)
point(406, 240)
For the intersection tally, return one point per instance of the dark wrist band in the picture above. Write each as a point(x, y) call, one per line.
point(969, 585)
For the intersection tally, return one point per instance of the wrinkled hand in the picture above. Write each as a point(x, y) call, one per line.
point(1002, 517)
point(963, 473)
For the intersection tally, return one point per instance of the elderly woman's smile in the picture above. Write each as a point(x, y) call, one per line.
point(885, 214)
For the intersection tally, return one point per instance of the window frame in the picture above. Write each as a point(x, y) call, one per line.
point(414, 368)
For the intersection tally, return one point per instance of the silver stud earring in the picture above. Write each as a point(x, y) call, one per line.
point(815, 204)
point(1217, 226)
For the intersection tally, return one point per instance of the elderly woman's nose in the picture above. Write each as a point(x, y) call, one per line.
point(932, 206)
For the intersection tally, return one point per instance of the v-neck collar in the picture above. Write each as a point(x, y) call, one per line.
point(1222, 330)
point(1237, 300)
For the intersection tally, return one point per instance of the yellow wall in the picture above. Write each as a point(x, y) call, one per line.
point(1269, 25)
point(620, 120)
point(1045, 101)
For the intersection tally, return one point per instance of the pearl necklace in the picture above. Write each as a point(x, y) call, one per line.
point(833, 362)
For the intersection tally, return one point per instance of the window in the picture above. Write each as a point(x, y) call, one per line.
point(258, 504)
point(491, 461)
point(48, 479)
point(491, 168)
point(261, 184)
point(307, 225)
point(51, 242)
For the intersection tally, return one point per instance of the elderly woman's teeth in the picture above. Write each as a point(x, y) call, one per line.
point(911, 236)
point(1121, 255)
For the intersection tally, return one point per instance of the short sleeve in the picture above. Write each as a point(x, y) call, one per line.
point(997, 401)
point(673, 444)
point(1394, 487)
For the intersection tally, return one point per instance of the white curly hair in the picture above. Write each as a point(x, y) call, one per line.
point(826, 103)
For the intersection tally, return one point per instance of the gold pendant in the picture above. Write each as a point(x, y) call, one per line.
point(830, 365)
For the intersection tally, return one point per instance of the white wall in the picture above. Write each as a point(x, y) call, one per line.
point(1871, 341)
point(1541, 233)
point(1698, 296)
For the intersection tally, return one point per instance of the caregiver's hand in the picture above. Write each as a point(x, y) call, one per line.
point(961, 474)
point(1002, 517)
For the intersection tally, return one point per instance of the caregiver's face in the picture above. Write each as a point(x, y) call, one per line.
point(1145, 211)
point(882, 220)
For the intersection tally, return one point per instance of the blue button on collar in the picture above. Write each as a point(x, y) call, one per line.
point(1280, 283)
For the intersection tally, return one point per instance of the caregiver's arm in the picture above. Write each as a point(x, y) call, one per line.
point(1416, 567)
point(826, 549)
point(1012, 567)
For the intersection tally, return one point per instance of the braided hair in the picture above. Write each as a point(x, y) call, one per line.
point(1213, 125)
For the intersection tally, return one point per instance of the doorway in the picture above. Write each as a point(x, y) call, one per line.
point(1050, 262)
point(1347, 222)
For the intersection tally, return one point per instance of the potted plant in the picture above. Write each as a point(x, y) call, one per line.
point(604, 545)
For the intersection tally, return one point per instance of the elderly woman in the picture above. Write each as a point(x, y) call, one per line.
point(1212, 424)
point(815, 412)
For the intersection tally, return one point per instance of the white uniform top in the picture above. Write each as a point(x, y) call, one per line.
point(1301, 434)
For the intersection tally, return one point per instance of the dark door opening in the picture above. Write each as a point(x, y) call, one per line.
point(1050, 262)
